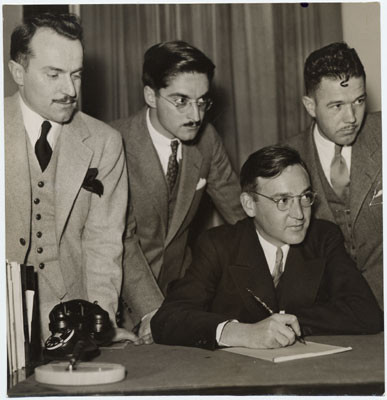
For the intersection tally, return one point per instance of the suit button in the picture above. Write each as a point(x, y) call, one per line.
point(38, 217)
point(22, 241)
point(40, 184)
point(39, 250)
point(39, 234)
point(36, 201)
point(41, 266)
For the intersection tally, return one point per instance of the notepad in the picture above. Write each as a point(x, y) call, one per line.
point(294, 352)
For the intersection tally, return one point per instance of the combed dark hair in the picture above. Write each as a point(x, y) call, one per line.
point(165, 60)
point(67, 25)
point(267, 162)
point(336, 61)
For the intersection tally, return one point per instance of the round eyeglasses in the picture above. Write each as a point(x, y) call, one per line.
point(182, 104)
point(284, 202)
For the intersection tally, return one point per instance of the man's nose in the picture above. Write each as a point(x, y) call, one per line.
point(350, 115)
point(68, 87)
point(194, 112)
point(296, 210)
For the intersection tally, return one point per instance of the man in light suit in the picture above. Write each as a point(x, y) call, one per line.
point(65, 173)
point(348, 181)
point(173, 157)
point(273, 277)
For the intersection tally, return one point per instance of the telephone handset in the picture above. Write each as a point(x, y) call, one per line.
point(78, 327)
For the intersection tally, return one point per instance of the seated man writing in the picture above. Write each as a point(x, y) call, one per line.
point(274, 276)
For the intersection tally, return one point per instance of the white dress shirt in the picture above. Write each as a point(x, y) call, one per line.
point(326, 151)
point(33, 125)
point(162, 145)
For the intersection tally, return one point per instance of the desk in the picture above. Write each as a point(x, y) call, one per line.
point(168, 370)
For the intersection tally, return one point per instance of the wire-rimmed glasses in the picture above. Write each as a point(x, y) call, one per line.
point(182, 104)
point(284, 202)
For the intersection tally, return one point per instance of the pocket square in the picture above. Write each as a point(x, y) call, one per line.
point(202, 182)
point(379, 193)
point(92, 184)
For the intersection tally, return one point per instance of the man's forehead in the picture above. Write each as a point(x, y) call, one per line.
point(185, 81)
point(294, 179)
point(50, 49)
point(47, 39)
point(335, 86)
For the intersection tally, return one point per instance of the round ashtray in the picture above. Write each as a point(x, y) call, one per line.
point(85, 373)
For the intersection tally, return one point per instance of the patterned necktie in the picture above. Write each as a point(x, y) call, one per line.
point(278, 267)
point(173, 166)
point(43, 149)
point(339, 174)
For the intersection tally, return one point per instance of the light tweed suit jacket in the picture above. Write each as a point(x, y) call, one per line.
point(366, 196)
point(89, 228)
point(155, 255)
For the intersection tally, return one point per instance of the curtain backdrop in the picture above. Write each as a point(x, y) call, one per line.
point(258, 50)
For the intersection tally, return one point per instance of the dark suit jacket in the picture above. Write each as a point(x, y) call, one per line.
point(320, 285)
point(365, 196)
point(155, 255)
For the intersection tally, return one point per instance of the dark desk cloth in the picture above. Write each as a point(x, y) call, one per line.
point(170, 370)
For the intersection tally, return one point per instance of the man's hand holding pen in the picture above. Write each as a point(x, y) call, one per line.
point(278, 330)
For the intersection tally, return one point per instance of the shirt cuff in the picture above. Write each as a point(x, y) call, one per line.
point(219, 330)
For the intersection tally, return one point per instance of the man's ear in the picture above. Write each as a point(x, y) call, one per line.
point(17, 72)
point(248, 204)
point(310, 105)
point(150, 96)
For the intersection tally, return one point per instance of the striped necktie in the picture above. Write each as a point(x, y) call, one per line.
point(173, 166)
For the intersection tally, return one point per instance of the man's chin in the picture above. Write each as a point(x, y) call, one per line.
point(296, 238)
point(63, 118)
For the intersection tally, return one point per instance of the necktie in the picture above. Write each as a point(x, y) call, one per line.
point(339, 174)
point(278, 267)
point(173, 166)
point(43, 150)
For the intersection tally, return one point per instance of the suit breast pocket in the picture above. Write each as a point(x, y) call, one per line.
point(374, 203)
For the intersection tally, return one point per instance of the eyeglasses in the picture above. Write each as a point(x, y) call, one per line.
point(182, 104)
point(284, 202)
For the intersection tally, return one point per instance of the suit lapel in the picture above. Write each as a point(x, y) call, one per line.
point(17, 172)
point(73, 162)
point(363, 172)
point(289, 290)
point(251, 271)
point(144, 161)
point(190, 173)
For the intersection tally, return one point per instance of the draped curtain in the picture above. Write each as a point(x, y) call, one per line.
point(258, 49)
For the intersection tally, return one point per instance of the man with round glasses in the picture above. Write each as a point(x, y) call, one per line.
point(273, 277)
point(173, 157)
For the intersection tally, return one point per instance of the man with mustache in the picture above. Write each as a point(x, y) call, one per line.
point(273, 277)
point(65, 173)
point(173, 157)
point(343, 152)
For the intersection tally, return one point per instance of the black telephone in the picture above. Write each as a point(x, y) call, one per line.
point(78, 327)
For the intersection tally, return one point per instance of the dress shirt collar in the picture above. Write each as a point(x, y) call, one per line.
point(270, 252)
point(162, 144)
point(33, 124)
point(326, 151)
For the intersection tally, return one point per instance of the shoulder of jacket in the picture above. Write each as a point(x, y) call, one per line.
point(97, 127)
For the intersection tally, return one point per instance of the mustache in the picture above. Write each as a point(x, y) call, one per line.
point(66, 100)
point(193, 124)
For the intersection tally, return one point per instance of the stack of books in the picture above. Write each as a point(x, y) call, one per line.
point(22, 320)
